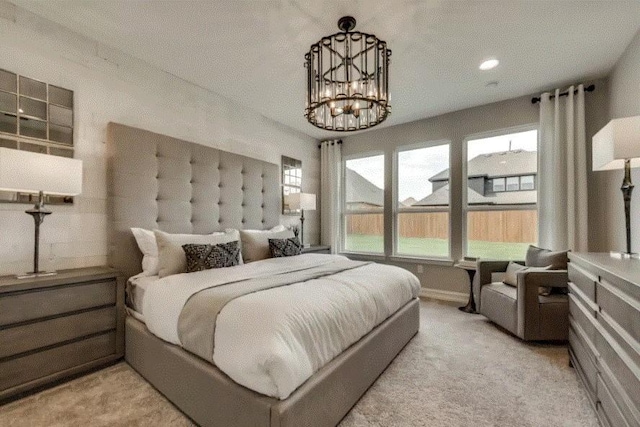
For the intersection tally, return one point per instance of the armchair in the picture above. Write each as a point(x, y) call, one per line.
point(521, 309)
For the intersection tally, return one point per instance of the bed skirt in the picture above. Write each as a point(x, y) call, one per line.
point(211, 398)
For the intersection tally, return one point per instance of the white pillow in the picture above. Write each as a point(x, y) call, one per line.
point(171, 256)
point(147, 243)
point(255, 243)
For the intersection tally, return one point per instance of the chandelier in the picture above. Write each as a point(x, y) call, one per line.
point(347, 80)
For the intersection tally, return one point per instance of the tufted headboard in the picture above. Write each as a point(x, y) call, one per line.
point(158, 182)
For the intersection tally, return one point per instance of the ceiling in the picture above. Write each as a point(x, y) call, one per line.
point(252, 51)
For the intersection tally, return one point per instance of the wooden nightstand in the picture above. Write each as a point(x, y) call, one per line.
point(58, 326)
point(317, 249)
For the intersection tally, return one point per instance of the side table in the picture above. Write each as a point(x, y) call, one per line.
point(471, 271)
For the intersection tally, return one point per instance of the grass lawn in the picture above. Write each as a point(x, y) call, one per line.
point(415, 246)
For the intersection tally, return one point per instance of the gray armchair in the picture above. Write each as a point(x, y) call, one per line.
point(521, 310)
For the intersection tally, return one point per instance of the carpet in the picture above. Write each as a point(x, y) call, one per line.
point(459, 370)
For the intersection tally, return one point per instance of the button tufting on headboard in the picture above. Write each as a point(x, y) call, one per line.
point(156, 181)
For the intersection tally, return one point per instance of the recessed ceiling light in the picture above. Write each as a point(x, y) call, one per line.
point(489, 64)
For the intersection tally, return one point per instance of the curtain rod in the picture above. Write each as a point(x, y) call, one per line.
point(332, 143)
point(589, 88)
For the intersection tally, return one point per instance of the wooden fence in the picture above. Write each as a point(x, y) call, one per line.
point(513, 226)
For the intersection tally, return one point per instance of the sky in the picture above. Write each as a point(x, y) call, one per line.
point(417, 166)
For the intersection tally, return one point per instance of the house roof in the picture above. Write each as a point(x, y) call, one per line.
point(408, 201)
point(440, 197)
point(361, 190)
point(504, 163)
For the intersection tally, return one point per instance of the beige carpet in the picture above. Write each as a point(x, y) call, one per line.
point(460, 370)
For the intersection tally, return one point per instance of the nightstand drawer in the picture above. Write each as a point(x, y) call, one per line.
point(21, 370)
point(26, 337)
point(25, 306)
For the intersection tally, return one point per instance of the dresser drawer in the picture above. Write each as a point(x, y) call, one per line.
point(21, 370)
point(30, 305)
point(27, 337)
point(608, 410)
point(583, 280)
point(616, 363)
point(584, 356)
point(621, 307)
point(582, 316)
point(621, 411)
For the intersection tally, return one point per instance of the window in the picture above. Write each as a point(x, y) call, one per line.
point(498, 185)
point(513, 183)
point(527, 182)
point(422, 221)
point(501, 211)
point(364, 204)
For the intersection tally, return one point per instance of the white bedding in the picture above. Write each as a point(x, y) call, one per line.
point(272, 341)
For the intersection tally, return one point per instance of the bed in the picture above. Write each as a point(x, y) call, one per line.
point(158, 182)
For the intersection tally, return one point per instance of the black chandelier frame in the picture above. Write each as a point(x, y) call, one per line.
point(359, 98)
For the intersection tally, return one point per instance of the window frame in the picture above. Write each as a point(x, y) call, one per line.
point(344, 212)
point(466, 208)
point(397, 210)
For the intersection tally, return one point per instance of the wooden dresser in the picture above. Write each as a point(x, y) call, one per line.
point(604, 336)
point(54, 327)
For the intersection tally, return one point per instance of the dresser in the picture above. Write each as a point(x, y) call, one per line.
point(55, 327)
point(604, 334)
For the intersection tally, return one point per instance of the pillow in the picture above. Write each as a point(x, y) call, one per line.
point(538, 257)
point(510, 275)
point(205, 257)
point(147, 243)
point(285, 247)
point(255, 243)
point(171, 256)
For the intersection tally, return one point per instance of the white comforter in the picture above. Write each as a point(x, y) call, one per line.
point(272, 341)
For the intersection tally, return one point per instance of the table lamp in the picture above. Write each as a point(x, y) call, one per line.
point(617, 146)
point(27, 172)
point(304, 202)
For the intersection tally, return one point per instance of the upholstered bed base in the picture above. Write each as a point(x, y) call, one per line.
point(210, 398)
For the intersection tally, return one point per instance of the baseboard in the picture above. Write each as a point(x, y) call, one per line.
point(444, 295)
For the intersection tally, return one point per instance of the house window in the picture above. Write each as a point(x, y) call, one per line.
point(501, 218)
point(422, 205)
point(527, 182)
point(513, 183)
point(364, 204)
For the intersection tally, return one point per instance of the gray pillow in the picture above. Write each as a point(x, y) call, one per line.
point(510, 275)
point(205, 257)
point(538, 257)
point(255, 243)
point(172, 259)
point(285, 247)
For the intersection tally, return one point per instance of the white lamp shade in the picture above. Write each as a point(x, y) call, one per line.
point(617, 141)
point(303, 201)
point(28, 172)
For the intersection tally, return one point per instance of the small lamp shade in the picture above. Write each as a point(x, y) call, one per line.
point(303, 201)
point(618, 141)
point(28, 172)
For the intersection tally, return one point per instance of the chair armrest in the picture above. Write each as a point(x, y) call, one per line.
point(528, 302)
point(484, 270)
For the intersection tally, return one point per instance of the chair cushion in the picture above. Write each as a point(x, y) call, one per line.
point(498, 302)
point(539, 257)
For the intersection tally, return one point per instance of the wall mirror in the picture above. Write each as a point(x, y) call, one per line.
point(35, 116)
point(291, 181)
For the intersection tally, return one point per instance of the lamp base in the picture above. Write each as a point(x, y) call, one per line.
point(624, 255)
point(33, 274)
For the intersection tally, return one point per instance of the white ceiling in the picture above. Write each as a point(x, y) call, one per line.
point(252, 51)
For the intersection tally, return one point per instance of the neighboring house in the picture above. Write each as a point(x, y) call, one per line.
point(361, 193)
point(503, 178)
point(409, 201)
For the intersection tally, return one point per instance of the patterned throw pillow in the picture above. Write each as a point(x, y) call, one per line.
point(205, 257)
point(285, 247)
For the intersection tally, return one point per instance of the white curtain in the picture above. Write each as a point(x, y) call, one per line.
point(562, 172)
point(330, 186)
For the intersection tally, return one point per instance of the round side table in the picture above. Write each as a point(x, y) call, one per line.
point(471, 304)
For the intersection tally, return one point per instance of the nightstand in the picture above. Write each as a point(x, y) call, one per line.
point(317, 249)
point(58, 326)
